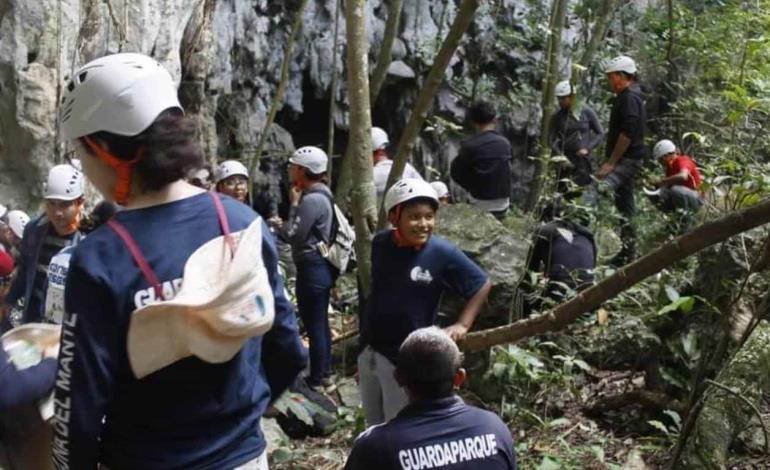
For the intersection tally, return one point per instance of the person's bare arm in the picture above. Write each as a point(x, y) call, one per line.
point(469, 313)
point(680, 178)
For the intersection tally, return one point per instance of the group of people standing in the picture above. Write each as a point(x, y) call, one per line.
point(177, 331)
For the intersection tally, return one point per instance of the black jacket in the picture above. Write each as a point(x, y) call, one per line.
point(483, 167)
point(628, 116)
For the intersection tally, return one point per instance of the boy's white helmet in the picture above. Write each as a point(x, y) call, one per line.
point(441, 189)
point(564, 88)
point(406, 189)
point(312, 158)
point(621, 64)
point(230, 168)
point(380, 139)
point(663, 147)
point(64, 182)
point(17, 220)
point(120, 93)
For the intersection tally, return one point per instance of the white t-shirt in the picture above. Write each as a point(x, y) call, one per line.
point(57, 275)
point(382, 170)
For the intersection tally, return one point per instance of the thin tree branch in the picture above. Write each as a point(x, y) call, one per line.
point(386, 50)
point(281, 90)
point(428, 92)
point(684, 246)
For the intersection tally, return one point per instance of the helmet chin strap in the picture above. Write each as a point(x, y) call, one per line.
point(122, 168)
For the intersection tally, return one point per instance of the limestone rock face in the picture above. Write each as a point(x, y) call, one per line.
point(499, 249)
point(226, 56)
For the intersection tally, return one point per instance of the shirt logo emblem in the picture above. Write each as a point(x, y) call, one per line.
point(421, 275)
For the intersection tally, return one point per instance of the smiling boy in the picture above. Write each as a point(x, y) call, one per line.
point(411, 269)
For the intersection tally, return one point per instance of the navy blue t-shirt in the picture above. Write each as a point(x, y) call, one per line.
point(407, 285)
point(439, 434)
point(191, 414)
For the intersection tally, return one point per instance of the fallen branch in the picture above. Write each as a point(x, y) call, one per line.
point(702, 237)
point(653, 400)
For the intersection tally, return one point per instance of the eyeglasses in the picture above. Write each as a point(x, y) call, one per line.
point(234, 181)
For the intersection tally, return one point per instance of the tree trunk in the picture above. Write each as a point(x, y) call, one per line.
point(360, 142)
point(684, 246)
point(333, 92)
point(729, 404)
point(558, 13)
point(281, 90)
point(428, 93)
point(601, 26)
point(386, 51)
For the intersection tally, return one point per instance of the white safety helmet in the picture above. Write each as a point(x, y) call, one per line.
point(406, 189)
point(380, 139)
point(621, 64)
point(230, 168)
point(441, 189)
point(312, 158)
point(17, 220)
point(65, 183)
point(564, 88)
point(120, 93)
point(663, 147)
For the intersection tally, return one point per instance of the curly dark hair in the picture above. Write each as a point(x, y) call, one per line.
point(171, 149)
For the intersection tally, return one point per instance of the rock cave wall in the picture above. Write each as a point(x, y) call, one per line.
point(227, 55)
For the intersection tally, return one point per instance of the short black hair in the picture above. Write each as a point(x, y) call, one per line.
point(171, 149)
point(428, 360)
point(482, 112)
point(314, 176)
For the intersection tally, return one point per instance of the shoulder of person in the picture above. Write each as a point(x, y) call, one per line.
point(381, 238)
point(238, 210)
point(444, 247)
point(487, 418)
point(369, 436)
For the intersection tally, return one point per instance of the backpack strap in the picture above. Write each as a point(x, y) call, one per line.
point(335, 223)
point(141, 261)
point(223, 223)
point(139, 258)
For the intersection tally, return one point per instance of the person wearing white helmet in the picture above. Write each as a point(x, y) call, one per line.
point(574, 132)
point(383, 163)
point(309, 225)
point(483, 166)
point(232, 178)
point(42, 238)
point(17, 221)
point(442, 192)
point(680, 188)
point(155, 371)
point(625, 149)
point(411, 269)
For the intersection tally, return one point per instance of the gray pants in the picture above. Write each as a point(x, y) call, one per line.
point(381, 396)
point(679, 197)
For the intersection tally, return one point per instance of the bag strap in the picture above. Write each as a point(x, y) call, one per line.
point(141, 261)
point(335, 223)
point(139, 258)
point(223, 223)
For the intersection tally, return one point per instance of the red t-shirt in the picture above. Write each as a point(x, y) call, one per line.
point(683, 162)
